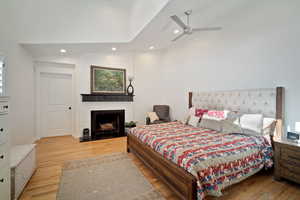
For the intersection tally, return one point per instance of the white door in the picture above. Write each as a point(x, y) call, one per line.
point(56, 104)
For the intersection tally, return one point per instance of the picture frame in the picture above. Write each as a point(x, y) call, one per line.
point(106, 80)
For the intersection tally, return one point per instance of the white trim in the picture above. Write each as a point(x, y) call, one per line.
point(53, 68)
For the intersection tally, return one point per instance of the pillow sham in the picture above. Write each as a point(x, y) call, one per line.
point(252, 124)
point(210, 123)
point(153, 116)
point(231, 125)
point(193, 121)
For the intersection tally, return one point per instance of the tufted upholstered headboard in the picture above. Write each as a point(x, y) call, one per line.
point(268, 102)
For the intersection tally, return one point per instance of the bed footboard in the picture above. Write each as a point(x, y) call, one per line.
point(182, 183)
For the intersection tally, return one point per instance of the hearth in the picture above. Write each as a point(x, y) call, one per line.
point(107, 124)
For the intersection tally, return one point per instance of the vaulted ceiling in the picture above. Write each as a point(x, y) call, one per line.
point(43, 26)
point(79, 21)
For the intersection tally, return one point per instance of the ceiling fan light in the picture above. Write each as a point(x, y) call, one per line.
point(176, 31)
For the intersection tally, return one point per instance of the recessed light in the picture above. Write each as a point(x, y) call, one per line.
point(63, 51)
point(114, 49)
point(176, 31)
point(151, 47)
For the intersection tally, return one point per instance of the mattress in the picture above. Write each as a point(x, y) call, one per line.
point(216, 159)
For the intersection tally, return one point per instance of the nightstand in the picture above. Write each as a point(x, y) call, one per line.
point(287, 160)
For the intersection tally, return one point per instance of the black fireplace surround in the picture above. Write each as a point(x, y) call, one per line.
point(107, 124)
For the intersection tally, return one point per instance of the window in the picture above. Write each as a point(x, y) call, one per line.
point(1, 78)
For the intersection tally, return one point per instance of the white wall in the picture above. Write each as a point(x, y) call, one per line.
point(20, 80)
point(20, 88)
point(257, 48)
point(82, 71)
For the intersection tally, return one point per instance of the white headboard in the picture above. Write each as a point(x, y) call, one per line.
point(265, 101)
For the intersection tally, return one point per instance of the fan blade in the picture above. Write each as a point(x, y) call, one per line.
point(207, 29)
point(179, 36)
point(178, 21)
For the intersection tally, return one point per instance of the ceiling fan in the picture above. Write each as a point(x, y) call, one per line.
point(187, 29)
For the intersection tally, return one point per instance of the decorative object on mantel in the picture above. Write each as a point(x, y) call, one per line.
point(130, 89)
point(106, 97)
point(105, 80)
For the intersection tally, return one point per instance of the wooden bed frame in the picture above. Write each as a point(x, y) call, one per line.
point(181, 182)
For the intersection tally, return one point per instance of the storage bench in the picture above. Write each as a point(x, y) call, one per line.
point(22, 166)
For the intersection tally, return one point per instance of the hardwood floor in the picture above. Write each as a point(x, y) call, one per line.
point(52, 152)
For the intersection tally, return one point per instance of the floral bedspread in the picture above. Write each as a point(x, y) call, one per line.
point(216, 159)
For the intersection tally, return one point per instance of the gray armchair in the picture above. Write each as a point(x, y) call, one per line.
point(163, 113)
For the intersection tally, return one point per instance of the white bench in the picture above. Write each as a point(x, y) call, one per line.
point(22, 166)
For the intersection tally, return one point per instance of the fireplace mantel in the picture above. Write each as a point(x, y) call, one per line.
point(106, 97)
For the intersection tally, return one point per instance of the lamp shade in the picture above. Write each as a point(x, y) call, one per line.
point(130, 78)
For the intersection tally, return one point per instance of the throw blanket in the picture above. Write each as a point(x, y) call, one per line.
point(216, 159)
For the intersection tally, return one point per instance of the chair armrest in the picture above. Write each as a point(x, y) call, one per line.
point(148, 121)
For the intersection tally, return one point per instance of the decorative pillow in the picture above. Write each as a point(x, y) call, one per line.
point(200, 112)
point(192, 111)
point(231, 125)
point(207, 122)
point(252, 124)
point(269, 125)
point(186, 119)
point(153, 116)
point(193, 121)
point(217, 114)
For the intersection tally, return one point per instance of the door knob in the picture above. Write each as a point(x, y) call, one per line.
point(70, 108)
point(1, 129)
point(2, 157)
point(2, 180)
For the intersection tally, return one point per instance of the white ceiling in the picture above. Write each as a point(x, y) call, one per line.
point(144, 22)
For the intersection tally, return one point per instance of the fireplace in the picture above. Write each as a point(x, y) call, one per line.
point(107, 124)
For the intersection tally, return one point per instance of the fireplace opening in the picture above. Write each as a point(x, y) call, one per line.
point(107, 123)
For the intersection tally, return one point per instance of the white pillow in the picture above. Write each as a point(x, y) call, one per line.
point(153, 116)
point(193, 121)
point(252, 124)
point(269, 125)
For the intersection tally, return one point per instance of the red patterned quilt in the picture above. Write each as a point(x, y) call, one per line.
point(216, 159)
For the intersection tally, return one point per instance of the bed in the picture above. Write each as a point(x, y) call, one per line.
point(195, 162)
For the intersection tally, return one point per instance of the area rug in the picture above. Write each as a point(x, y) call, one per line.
point(109, 177)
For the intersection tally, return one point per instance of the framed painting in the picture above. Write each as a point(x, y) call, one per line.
point(105, 80)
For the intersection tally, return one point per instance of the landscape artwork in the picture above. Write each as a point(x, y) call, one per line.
point(106, 80)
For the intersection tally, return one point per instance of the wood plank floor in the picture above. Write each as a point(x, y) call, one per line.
point(52, 152)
